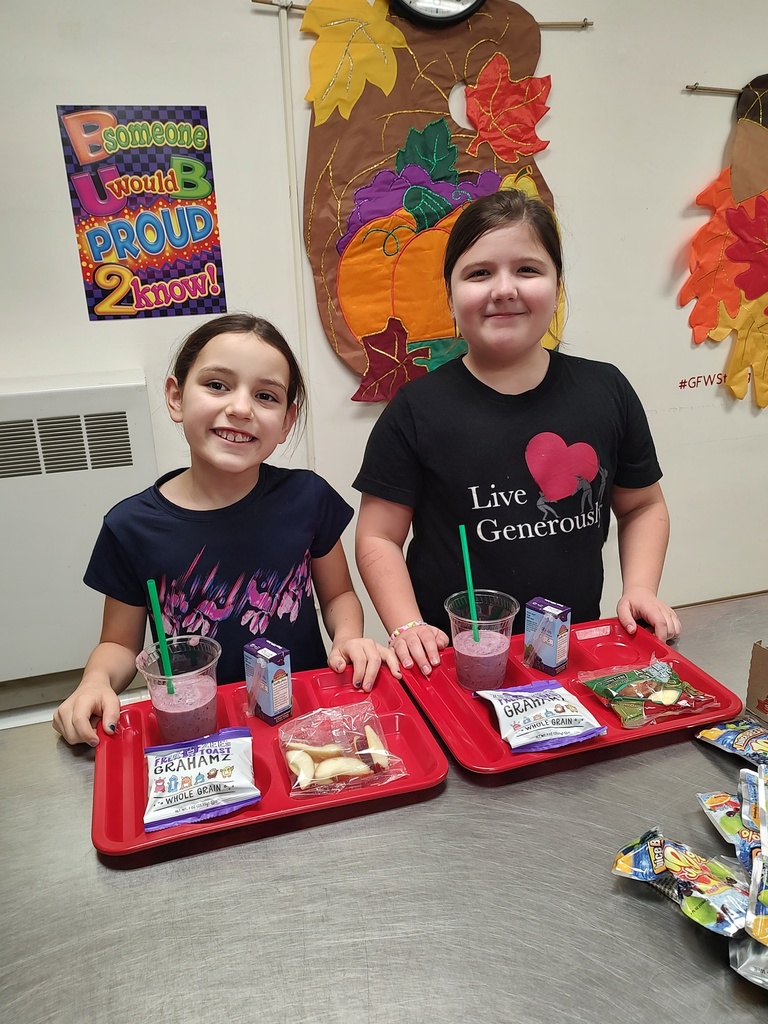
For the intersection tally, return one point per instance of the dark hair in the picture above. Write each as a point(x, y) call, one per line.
point(241, 323)
point(510, 206)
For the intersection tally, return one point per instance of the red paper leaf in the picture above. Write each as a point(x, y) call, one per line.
point(750, 247)
point(390, 365)
point(505, 111)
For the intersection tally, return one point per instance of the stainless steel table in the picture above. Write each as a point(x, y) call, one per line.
point(482, 901)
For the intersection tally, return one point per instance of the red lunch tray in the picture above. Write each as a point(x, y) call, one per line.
point(120, 778)
point(469, 725)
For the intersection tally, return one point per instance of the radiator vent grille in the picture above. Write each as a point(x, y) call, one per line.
point(18, 449)
point(109, 443)
point(64, 444)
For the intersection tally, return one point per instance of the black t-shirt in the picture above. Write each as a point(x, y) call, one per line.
point(230, 573)
point(530, 476)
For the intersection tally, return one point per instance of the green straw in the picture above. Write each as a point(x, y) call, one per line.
point(161, 640)
point(470, 587)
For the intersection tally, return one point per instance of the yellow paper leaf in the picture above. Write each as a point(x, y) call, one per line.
point(355, 44)
point(523, 181)
point(750, 348)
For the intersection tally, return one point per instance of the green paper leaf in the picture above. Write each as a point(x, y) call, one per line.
point(441, 350)
point(432, 150)
point(426, 206)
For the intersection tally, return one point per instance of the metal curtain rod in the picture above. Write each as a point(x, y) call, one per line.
point(713, 89)
point(290, 6)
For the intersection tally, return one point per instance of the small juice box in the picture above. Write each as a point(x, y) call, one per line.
point(547, 635)
point(268, 680)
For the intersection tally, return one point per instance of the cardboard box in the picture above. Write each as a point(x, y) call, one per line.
point(757, 686)
point(547, 635)
point(268, 680)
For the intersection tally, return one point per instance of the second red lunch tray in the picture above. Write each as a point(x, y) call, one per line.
point(120, 778)
point(469, 725)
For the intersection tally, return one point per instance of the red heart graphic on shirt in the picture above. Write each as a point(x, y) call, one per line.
point(557, 467)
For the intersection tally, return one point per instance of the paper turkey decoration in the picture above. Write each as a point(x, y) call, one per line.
point(389, 170)
point(729, 254)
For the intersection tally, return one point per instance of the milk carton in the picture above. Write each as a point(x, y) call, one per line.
point(268, 680)
point(547, 635)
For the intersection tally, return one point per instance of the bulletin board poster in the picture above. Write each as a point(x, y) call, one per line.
point(144, 206)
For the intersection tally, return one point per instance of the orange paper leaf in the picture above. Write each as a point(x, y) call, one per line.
point(505, 111)
point(712, 274)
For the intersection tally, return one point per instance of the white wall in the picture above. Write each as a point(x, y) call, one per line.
point(630, 148)
point(629, 151)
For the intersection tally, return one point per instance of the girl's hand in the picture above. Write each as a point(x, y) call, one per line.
point(419, 644)
point(77, 717)
point(642, 603)
point(365, 656)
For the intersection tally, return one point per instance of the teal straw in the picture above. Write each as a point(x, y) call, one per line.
point(157, 615)
point(470, 586)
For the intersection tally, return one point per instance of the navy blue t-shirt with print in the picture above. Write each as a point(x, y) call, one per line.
point(231, 573)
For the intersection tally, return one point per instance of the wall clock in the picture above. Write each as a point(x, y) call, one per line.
point(436, 13)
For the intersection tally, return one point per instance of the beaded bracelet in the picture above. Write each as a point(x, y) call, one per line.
point(401, 629)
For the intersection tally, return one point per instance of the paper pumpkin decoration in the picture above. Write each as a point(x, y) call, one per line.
point(389, 170)
point(729, 254)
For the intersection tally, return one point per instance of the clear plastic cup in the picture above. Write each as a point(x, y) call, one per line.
point(481, 664)
point(190, 711)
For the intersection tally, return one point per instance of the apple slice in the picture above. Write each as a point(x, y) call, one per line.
point(666, 697)
point(302, 766)
point(377, 750)
point(316, 753)
point(340, 767)
point(360, 745)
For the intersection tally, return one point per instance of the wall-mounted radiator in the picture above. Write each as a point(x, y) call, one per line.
point(70, 448)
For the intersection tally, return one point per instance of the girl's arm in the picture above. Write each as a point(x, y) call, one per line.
point(643, 522)
point(110, 668)
point(382, 527)
point(343, 618)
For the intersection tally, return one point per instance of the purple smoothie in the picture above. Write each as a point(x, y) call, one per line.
point(480, 664)
point(188, 713)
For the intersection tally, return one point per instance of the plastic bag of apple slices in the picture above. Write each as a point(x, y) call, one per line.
point(641, 696)
point(335, 749)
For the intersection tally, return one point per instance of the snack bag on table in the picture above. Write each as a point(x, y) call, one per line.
point(713, 893)
point(641, 696)
point(333, 749)
point(745, 736)
point(757, 912)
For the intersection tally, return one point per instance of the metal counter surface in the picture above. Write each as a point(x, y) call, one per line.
point(483, 900)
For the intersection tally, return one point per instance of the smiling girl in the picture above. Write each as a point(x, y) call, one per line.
point(235, 545)
point(531, 449)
